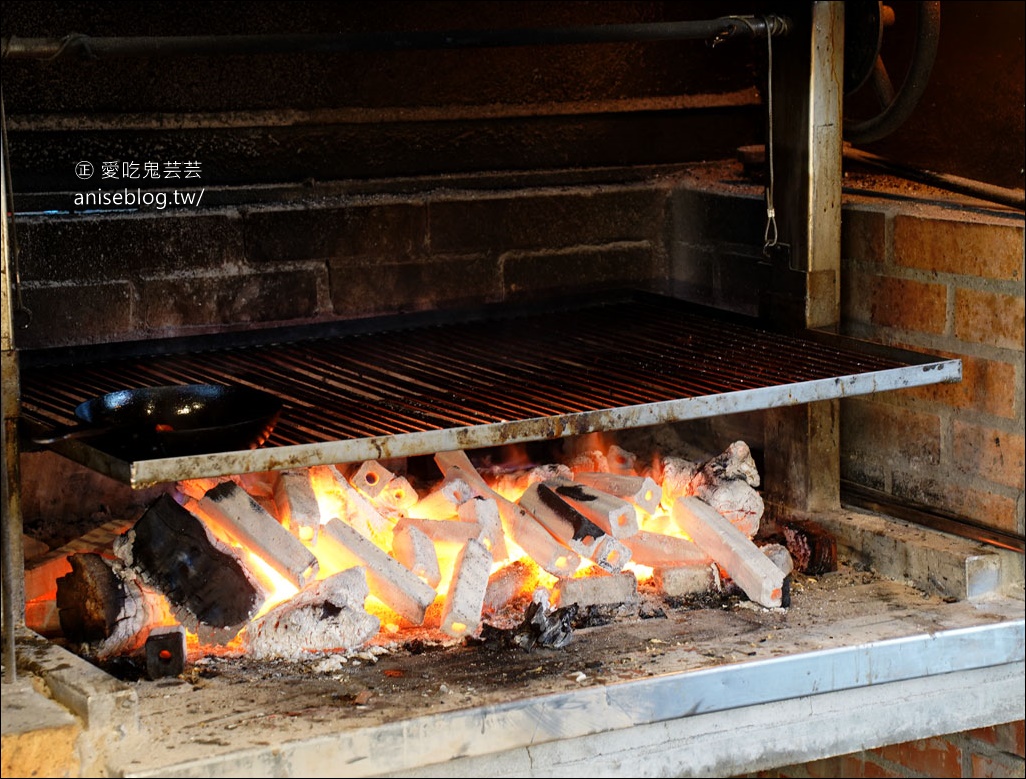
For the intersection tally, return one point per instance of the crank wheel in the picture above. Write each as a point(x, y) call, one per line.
point(865, 24)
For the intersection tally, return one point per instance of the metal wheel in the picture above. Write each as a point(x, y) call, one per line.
point(865, 24)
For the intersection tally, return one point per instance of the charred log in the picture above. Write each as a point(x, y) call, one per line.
point(206, 584)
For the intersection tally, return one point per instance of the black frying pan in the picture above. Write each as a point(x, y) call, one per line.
point(173, 421)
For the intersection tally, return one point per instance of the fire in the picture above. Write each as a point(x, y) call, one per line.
point(429, 531)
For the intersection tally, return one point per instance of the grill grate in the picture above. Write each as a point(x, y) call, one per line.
point(489, 381)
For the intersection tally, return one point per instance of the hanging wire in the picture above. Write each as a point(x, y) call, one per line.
point(771, 234)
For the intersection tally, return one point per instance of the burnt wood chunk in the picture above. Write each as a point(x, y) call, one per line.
point(206, 585)
point(89, 599)
point(106, 609)
point(813, 550)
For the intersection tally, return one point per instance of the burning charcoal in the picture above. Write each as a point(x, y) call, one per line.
point(780, 557)
point(398, 497)
point(522, 528)
point(165, 652)
point(371, 478)
point(614, 515)
point(574, 529)
point(684, 580)
point(461, 611)
point(260, 485)
point(444, 531)
point(208, 588)
point(108, 611)
point(620, 460)
point(505, 584)
point(413, 548)
point(642, 491)
point(735, 462)
point(297, 505)
point(658, 550)
point(389, 580)
point(485, 512)
point(813, 551)
point(444, 500)
point(197, 488)
point(551, 629)
point(345, 502)
point(598, 590)
point(675, 475)
point(750, 569)
point(514, 484)
point(593, 461)
point(736, 501)
point(389, 492)
point(239, 516)
point(327, 616)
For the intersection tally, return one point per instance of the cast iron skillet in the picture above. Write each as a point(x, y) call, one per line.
point(173, 421)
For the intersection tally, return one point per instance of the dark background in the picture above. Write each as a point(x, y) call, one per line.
point(267, 119)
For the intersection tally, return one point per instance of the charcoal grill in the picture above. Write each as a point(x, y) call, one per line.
point(710, 693)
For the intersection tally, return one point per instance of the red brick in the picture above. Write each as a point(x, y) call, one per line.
point(987, 386)
point(948, 491)
point(990, 318)
point(892, 302)
point(826, 769)
point(1009, 737)
point(996, 767)
point(930, 757)
point(994, 455)
point(955, 246)
point(862, 765)
point(863, 235)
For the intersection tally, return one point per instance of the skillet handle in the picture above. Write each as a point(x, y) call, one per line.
point(69, 432)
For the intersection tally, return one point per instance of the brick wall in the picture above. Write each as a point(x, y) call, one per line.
point(949, 282)
point(985, 752)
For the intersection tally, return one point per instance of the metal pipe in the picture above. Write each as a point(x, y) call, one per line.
point(88, 47)
point(1014, 198)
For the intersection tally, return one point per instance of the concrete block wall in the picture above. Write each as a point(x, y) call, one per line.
point(123, 277)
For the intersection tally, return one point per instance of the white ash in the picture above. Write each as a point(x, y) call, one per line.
point(326, 616)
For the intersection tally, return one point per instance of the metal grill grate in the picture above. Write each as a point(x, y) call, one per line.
point(489, 381)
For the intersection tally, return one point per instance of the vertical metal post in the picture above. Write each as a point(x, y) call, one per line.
point(803, 463)
point(13, 554)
